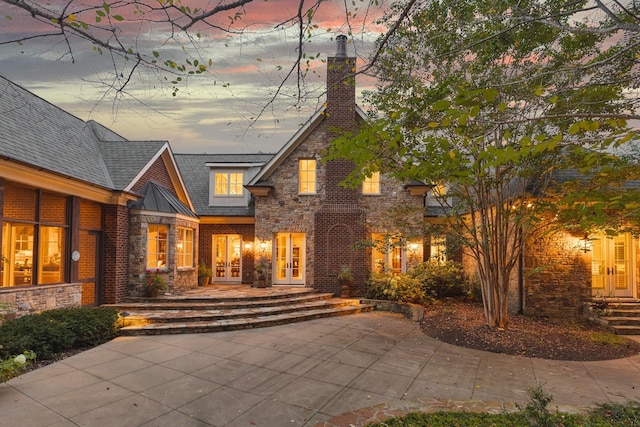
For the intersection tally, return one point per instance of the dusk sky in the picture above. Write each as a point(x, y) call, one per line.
point(212, 113)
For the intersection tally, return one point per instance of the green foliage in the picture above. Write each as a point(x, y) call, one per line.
point(535, 414)
point(422, 283)
point(440, 279)
point(14, 365)
point(55, 331)
point(204, 270)
point(400, 288)
point(484, 105)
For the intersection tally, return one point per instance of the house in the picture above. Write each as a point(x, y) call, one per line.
point(288, 211)
point(85, 212)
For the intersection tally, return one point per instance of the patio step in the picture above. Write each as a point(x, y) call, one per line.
point(621, 315)
point(213, 313)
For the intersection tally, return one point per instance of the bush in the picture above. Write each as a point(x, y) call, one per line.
point(440, 279)
point(14, 365)
point(400, 288)
point(55, 331)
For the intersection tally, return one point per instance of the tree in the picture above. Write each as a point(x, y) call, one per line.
point(173, 40)
point(521, 120)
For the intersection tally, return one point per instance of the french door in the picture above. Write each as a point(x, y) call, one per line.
point(289, 259)
point(227, 256)
point(611, 266)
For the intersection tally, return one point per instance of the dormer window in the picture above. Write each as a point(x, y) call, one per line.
point(307, 176)
point(371, 184)
point(228, 183)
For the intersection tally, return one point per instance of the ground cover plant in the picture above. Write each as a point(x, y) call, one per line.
point(535, 414)
point(36, 339)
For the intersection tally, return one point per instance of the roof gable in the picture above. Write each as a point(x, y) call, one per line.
point(295, 141)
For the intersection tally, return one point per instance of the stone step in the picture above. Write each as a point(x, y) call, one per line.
point(241, 323)
point(212, 303)
point(160, 315)
point(626, 329)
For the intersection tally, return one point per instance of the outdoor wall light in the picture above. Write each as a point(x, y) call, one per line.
point(584, 244)
point(247, 245)
point(263, 244)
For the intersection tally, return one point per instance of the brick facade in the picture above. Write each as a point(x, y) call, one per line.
point(158, 173)
point(115, 253)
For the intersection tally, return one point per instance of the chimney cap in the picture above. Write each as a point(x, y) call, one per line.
point(341, 42)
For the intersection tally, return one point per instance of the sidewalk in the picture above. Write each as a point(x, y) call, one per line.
point(327, 372)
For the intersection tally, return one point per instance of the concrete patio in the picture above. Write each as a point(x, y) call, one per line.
point(337, 371)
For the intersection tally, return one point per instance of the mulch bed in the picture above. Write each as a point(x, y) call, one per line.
point(463, 323)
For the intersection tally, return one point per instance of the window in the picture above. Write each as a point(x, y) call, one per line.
point(388, 254)
point(438, 250)
point(184, 248)
point(32, 252)
point(307, 177)
point(51, 250)
point(157, 246)
point(228, 184)
point(371, 184)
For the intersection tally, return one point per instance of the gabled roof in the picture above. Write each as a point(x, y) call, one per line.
point(156, 198)
point(293, 143)
point(126, 160)
point(195, 172)
point(40, 135)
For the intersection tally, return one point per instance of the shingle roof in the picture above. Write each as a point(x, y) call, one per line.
point(124, 159)
point(195, 172)
point(35, 132)
point(156, 198)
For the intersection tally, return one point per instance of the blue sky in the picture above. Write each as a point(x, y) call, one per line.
point(212, 113)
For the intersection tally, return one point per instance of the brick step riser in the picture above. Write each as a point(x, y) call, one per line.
point(237, 315)
point(156, 304)
point(251, 324)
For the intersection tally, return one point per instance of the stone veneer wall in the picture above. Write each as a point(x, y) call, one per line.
point(34, 299)
point(562, 285)
point(287, 211)
point(178, 279)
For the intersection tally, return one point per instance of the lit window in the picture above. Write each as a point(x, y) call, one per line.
point(185, 247)
point(438, 249)
point(157, 246)
point(371, 184)
point(228, 184)
point(388, 254)
point(307, 168)
point(51, 250)
point(439, 190)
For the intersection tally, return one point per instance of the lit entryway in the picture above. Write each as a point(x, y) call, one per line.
point(612, 266)
point(289, 259)
point(227, 255)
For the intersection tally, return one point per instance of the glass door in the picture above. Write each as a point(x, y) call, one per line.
point(289, 259)
point(611, 272)
point(227, 256)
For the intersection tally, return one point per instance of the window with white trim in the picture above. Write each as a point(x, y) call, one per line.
point(389, 254)
point(157, 246)
point(228, 183)
point(371, 184)
point(307, 176)
point(184, 247)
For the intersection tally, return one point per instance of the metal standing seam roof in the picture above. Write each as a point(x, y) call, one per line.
point(157, 198)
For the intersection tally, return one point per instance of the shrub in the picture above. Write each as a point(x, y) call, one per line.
point(400, 288)
point(440, 279)
point(14, 365)
point(55, 331)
